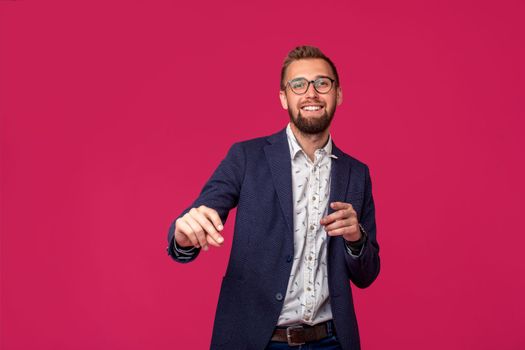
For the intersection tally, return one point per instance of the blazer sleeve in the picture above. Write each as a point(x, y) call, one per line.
point(221, 192)
point(365, 267)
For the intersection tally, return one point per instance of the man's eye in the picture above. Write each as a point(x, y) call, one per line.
point(298, 84)
point(321, 83)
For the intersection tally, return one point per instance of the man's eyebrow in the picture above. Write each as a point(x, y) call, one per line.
point(322, 76)
point(316, 77)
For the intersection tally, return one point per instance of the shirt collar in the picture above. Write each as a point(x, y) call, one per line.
point(296, 148)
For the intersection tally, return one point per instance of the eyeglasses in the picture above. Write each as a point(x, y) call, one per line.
point(322, 85)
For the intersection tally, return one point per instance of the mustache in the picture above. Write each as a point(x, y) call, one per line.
point(311, 101)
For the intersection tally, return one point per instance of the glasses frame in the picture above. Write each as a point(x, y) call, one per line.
point(332, 81)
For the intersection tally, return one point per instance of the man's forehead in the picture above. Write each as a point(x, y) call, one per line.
point(310, 68)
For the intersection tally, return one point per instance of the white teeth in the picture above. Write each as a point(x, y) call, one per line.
point(311, 108)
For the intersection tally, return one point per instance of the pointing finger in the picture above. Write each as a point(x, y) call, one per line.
point(342, 211)
point(340, 214)
point(212, 216)
point(212, 242)
point(200, 216)
point(340, 205)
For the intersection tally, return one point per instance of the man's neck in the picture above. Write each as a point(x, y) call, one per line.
point(310, 142)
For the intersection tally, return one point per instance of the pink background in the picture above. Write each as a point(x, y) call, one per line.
point(114, 114)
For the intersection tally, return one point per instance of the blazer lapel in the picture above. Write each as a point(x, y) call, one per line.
point(339, 177)
point(340, 174)
point(278, 156)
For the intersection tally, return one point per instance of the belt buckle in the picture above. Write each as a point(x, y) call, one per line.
point(289, 335)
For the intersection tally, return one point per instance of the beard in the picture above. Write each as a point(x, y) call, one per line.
point(312, 126)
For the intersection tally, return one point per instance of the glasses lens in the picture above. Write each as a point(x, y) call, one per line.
point(299, 86)
point(323, 85)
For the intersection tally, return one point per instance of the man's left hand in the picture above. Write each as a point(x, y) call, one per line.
point(342, 222)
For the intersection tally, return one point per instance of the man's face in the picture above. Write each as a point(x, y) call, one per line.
point(311, 112)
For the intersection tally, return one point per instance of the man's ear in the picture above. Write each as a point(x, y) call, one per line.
point(339, 98)
point(282, 97)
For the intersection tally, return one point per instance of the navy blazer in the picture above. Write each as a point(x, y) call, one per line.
point(256, 177)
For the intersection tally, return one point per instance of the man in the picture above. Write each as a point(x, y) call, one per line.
point(305, 225)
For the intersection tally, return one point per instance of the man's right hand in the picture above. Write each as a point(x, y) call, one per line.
point(199, 227)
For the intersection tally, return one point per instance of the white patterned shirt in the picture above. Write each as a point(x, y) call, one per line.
point(307, 300)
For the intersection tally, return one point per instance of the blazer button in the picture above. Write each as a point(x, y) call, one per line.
point(288, 258)
point(279, 296)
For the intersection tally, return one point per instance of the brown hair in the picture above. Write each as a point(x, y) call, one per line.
point(304, 52)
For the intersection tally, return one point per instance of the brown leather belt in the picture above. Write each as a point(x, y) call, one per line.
point(301, 334)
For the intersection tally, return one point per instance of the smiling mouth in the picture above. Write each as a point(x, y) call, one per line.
point(311, 108)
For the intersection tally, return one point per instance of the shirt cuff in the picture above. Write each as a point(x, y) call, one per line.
point(356, 248)
point(182, 254)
